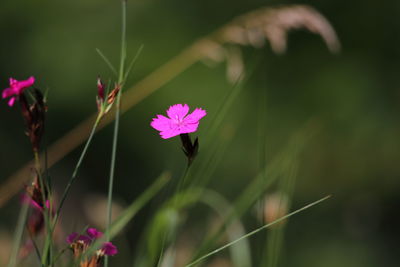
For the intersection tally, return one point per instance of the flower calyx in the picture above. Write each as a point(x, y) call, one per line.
point(104, 104)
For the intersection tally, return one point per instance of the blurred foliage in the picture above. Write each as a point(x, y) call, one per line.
point(352, 97)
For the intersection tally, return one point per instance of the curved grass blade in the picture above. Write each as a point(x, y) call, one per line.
point(255, 231)
point(107, 61)
point(18, 235)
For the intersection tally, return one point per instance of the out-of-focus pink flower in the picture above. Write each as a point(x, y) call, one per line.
point(109, 249)
point(16, 88)
point(25, 199)
point(75, 237)
point(80, 243)
point(178, 121)
point(93, 233)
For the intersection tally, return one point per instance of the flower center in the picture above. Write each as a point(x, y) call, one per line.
point(178, 120)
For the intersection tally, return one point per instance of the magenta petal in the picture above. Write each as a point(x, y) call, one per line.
point(11, 101)
point(29, 82)
point(170, 133)
point(75, 237)
point(189, 128)
point(7, 92)
point(85, 239)
point(109, 249)
point(48, 204)
point(35, 205)
point(12, 81)
point(72, 238)
point(195, 116)
point(94, 233)
point(161, 123)
point(178, 111)
point(26, 199)
point(16, 88)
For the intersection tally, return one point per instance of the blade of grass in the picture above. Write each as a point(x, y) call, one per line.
point(18, 235)
point(116, 124)
point(37, 252)
point(274, 241)
point(107, 61)
point(75, 172)
point(256, 231)
point(240, 253)
point(133, 61)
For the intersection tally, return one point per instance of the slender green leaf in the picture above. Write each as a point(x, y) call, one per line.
point(18, 235)
point(107, 61)
point(255, 232)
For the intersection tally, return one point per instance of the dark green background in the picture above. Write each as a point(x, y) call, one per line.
point(354, 96)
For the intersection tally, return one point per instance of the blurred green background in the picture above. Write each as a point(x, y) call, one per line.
point(353, 98)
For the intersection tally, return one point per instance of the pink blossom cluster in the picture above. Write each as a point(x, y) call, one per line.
point(85, 241)
point(92, 234)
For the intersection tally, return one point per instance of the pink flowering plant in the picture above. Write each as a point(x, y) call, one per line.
point(44, 221)
point(179, 122)
point(79, 244)
point(16, 89)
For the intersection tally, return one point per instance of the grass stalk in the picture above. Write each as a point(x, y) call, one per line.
point(255, 231)
point(75, 172)
point(116, 124)
point(18, 235)
point(48, 244)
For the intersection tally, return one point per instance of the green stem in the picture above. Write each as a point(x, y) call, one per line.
point(176, 206)
point(112, 172)
point(116, 125)
point(123, 43)
point(48, 245)
point(182, 182)
point(74, 174)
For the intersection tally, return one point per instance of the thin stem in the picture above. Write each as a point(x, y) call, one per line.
point(112, 167)
point(181, 184)
point(116, 124)
point(176, 205)
point(107, 61)
point(34, 244)
point(74, 174)
point(123, 43)
point(48, 245)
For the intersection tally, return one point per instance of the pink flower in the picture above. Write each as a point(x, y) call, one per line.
point(93, 233)
point(109, 249)
point(16, 88)
point(80, 243)
point(75, 237)
point(178, 121)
